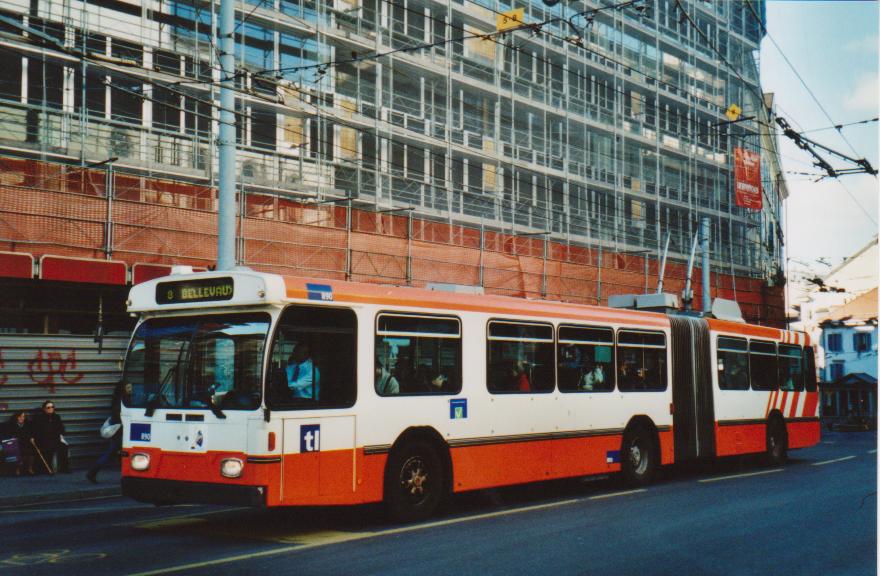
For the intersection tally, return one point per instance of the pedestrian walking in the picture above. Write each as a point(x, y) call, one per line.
point(121, 393)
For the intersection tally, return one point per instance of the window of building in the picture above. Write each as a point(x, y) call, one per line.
point(520, 357)
point(791, 373)
point(762, 365)
point(835, 371)
point(417, 355)
point(862, 341)
point(834, 342)
point(733, 363)
point(585, 359)
point(641, 361)
point(314, 355)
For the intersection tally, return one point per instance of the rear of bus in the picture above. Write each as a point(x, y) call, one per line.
point(194, 424)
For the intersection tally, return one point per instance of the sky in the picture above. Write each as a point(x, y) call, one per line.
point(834, 47)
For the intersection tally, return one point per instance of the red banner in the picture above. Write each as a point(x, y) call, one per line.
point(747, 178)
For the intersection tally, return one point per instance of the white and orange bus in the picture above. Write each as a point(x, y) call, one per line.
point(257, 389)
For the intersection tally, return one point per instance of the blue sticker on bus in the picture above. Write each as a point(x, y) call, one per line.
point(310, 438)
point(458, 408)
point(140, 433)
point(612, 457)
point(320, 291)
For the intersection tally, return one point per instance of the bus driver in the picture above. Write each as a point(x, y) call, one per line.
point(303, 377)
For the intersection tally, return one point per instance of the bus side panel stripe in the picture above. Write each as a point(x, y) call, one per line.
point(803, 434)
point(489, 465)
point(740, 439)
point(810, 404)
point(792, 412)
point(770, 399)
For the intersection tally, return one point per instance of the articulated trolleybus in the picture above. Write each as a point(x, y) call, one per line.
point(251, 388)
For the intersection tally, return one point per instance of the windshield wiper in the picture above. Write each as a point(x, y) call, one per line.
point(215, 409)
point(154, 402)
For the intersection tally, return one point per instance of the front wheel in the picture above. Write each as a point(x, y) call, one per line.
point(638, 456)
point(777, 443)
point(414, 482)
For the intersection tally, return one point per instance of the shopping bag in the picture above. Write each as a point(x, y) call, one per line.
point(109, 430)
point(11, 451)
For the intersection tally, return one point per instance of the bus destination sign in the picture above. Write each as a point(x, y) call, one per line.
point(186, 291)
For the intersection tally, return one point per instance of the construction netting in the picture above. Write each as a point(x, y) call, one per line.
point(48, 208)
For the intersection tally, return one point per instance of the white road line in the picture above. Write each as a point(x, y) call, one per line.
point(324, 538)
point(734, 476)
point(874, 451)
point(833, 461)
point(613, 494)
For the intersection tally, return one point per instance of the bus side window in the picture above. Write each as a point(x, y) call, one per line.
point(762, 365)
point(641, 361)
point(417, 354)
point(733, 363)
point(585, 361)
point(313, 359)
point(810, 369)
point(791, 373)
point(520, 357)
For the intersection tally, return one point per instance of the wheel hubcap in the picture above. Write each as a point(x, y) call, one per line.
point(414, 478)
point(636, 457)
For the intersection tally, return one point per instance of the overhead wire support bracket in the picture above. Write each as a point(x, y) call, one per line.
point(808, 145)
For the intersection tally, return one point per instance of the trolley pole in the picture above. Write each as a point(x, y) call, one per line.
point(704, 248)
point(226, 140)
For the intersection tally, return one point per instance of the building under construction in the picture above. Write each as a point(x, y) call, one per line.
point(534, 151)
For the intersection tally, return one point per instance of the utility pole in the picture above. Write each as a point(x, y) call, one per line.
point(704, 247)
point(226, 140)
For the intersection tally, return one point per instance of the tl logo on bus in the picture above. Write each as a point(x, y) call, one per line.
point(310, 438)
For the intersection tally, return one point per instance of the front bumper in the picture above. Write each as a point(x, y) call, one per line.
point(158, 491)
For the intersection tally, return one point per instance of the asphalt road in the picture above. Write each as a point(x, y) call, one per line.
point(815, 515)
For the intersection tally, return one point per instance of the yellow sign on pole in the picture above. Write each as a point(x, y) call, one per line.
point(733, 112)
point(510, 19)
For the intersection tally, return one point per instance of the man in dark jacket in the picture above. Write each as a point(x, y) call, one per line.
point(48, 433)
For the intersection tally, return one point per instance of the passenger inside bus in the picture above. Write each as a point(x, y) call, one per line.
point(519, 377)
point(593, 379)
point(303, 377)
point(386, 383)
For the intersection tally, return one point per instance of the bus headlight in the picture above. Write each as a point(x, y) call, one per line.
point(140, 461)
point(231, 467)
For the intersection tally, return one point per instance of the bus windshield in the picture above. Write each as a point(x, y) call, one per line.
point(213, 362)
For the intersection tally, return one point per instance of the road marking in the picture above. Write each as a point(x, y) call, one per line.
point(734, 476)
point(874, 451)
point(57, 510)
point(324, 538)
point(178, 518)
point(833, 461)
point(829, 442)
point(613, 494)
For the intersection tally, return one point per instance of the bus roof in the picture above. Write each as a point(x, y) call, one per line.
point(248, 288)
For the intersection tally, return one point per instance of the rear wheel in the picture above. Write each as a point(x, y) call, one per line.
point(414, 482)
point(638, 455)
point(777, 442)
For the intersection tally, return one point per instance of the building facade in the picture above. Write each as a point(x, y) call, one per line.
point(406, 141)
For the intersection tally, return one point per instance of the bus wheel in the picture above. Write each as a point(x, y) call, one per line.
point(638, 456)
point(414, 482)
point(777, 443)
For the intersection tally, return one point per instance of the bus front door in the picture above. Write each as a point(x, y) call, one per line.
point(319, 460)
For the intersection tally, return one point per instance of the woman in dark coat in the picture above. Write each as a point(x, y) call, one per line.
point(19, 428)
point(48, 432)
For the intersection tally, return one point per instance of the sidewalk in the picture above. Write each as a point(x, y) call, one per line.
point(21, 490)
